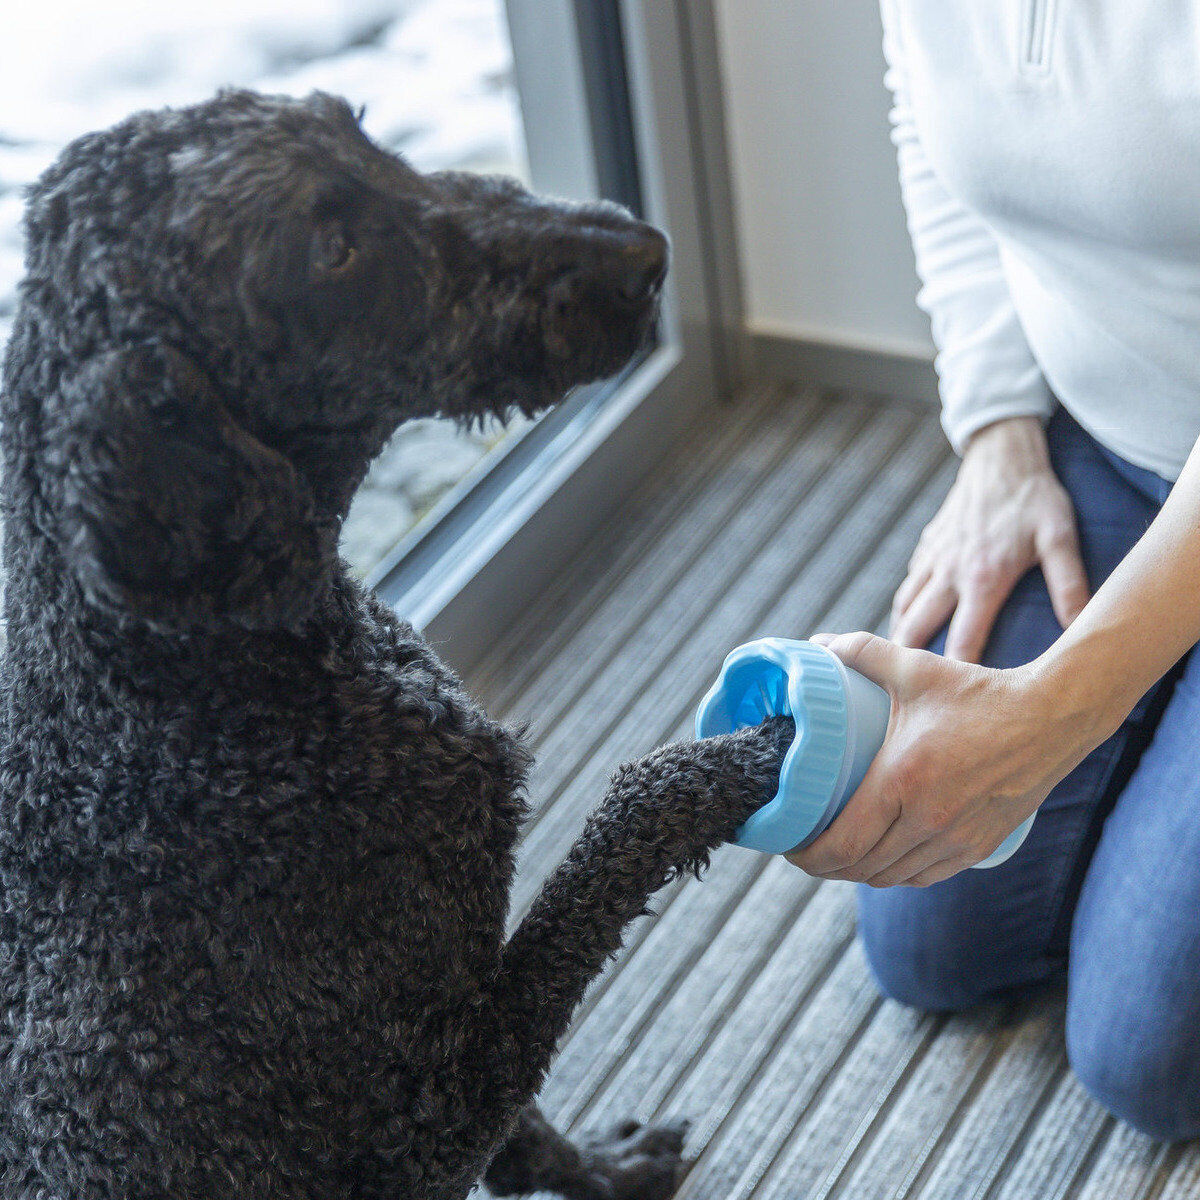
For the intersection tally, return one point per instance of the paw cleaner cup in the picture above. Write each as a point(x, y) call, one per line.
point(841, 719)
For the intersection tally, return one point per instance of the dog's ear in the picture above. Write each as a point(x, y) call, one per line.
point(169, 510)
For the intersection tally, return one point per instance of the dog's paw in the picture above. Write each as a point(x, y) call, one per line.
point(636, 1162)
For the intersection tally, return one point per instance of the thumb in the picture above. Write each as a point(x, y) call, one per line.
point(869, 655)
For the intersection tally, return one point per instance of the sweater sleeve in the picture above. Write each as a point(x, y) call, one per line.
point(986, 370)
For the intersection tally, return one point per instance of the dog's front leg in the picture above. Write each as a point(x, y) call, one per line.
point(662, 815)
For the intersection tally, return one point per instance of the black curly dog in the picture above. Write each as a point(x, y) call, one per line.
point(255, 841)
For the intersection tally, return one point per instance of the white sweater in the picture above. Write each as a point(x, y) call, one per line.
point(1050, 166)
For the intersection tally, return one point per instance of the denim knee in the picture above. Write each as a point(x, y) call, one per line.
point(917, 966)
point(1142, 1070)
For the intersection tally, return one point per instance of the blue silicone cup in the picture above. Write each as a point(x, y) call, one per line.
point(841, 720)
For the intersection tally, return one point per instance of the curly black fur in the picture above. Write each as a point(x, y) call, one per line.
point(255, 841)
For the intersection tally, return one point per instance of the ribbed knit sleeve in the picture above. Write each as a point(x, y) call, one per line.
point(986, 370)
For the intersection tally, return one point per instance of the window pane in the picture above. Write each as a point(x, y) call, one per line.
point(435, 76)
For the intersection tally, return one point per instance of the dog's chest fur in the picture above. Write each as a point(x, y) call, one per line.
point(241, 930)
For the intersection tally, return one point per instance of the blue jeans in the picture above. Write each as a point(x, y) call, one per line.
point(1105, 892)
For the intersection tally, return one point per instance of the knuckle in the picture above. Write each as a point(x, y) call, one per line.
point(905, 780)
point(961, 845)
point(1060, 501)
point(921, 823)
point(925, 824)
point(985, 575)
point(859, 640)
point(847, 851)
point(936, 818)
point(838, 856)
point(1059, 536)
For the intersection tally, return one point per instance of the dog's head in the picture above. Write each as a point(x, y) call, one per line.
point(253, 296)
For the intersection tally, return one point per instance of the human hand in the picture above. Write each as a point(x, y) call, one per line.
point(970, 753)
point(1005, 513)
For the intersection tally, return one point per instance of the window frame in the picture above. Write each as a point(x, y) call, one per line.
point(470, 569)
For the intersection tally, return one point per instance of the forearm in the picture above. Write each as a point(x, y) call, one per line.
point(1139, 623)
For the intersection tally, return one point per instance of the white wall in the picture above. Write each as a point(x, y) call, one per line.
point(825, 254)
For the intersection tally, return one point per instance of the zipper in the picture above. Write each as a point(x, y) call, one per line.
point(1036, 36)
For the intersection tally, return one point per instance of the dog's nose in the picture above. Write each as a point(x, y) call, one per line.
point(642, 265)
point(627, 263)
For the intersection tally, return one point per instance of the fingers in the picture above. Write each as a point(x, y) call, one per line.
point(914, 582)
point(906, 848)
point(940, 872)
point(938, 858)
point(868, 834)
point(916, 864)
point(860, 827)
point(926, 614)
point(896, 845)
point(972, 623)
point(1062, 566)
point(904, 854)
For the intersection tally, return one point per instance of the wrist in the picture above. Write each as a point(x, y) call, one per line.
point(1080, 693)
point(1020, 442)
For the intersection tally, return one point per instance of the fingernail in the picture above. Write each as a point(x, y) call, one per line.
point(822, 639)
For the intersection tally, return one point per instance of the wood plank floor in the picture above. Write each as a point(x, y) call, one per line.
point(745, 1004)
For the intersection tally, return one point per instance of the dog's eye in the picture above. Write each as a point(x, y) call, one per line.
point(337, 253)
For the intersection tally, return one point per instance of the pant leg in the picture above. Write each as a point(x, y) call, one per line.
point(982, 933)
point(1133, 1008)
